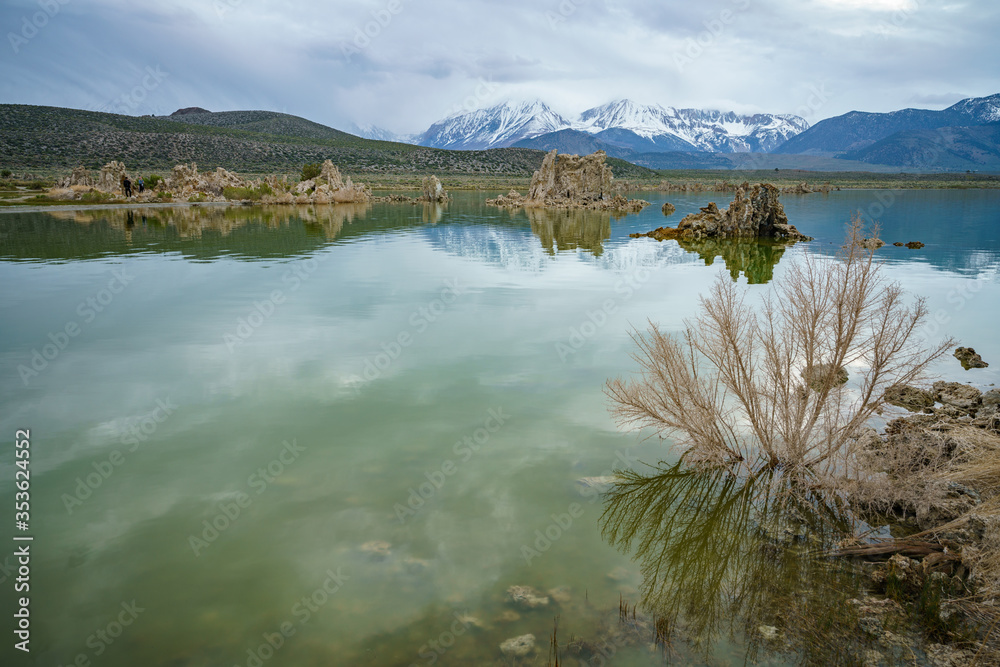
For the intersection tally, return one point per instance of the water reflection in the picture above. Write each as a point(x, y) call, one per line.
point(202, 232)
point(753, 258)
point(725, 554)
point(569, 229)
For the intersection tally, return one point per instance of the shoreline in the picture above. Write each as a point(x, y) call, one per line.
point(80, 206)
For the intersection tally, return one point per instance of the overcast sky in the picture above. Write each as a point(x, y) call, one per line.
point(402, 64)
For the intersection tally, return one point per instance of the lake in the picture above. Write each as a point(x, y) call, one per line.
point(339, 435)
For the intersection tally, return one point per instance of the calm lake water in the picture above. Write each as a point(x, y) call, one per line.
point(347, 431)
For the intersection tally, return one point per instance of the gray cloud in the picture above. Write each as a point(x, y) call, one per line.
point(401, 64)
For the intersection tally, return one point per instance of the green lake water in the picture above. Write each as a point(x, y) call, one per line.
point(359, 426)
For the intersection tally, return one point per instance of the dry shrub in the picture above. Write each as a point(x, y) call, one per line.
point(731, 388)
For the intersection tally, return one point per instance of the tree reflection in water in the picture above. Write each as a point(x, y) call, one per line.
point(724, 553)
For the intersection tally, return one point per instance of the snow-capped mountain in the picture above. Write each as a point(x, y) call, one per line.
point(495, 127)
point(982, 110)
point(378, 133)
point(623, 125)
point(702, 130)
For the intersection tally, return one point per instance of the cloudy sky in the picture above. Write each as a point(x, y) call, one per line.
point(402, 64)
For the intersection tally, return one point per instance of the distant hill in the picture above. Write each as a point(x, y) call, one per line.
point(573, 141)
point(857, 130)
point(54, 138)
point(263, 122)
point(941, 148)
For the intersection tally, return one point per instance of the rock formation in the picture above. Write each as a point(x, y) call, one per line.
point(668, 208)
point(330, 187)
point(572, 181)
point(185, 181)
point(913, 399)
point(755, 212)
point(969, 358)
point(110, 180)
point(80, 176)
point(571, 177)
point(433, 191)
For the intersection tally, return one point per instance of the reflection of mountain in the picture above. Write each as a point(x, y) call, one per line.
point(721, 553)
point(569, 229)
point(753, 258)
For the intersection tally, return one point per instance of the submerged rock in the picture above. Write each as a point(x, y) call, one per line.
point(561, 594)
point(911, 398)
point(526, 597)
point(755, 212)
point(376, 550)
point(969, 358)
point(600, 484)
point(518, 647)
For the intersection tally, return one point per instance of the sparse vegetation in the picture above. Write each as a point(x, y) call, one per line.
point(253, 194)
point(732, 390)
point(311, 170)
point(96, 197)
point(153, 180)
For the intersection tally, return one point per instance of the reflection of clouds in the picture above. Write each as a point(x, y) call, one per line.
point(515, 249)
point(983, 264)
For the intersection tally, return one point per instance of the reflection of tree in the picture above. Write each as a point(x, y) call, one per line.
point(754, 258)
point(725, 553)
point(568, 229)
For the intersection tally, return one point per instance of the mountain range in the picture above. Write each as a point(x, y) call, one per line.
point(963, 136)
point(623, 126)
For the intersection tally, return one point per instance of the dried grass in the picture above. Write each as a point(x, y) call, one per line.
point(731, 389)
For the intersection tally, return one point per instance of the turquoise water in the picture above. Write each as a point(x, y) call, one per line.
point(345, 425)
